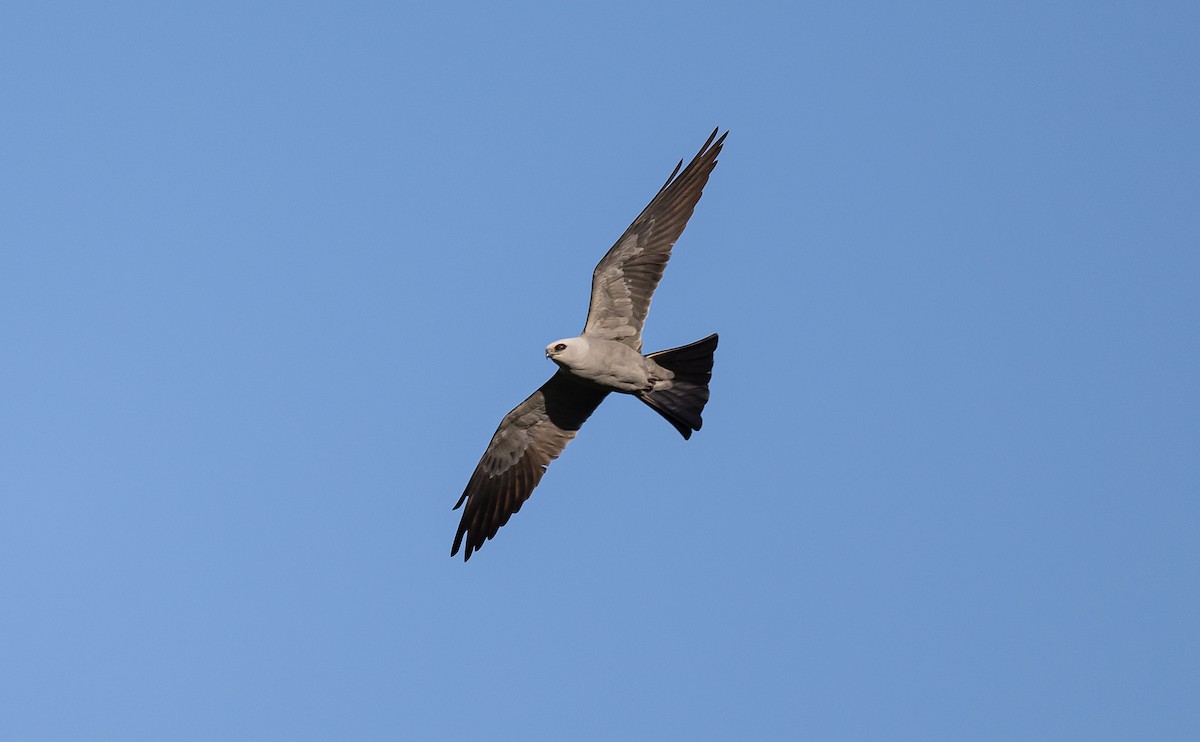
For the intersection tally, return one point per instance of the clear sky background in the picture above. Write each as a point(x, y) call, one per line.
point(270, 275)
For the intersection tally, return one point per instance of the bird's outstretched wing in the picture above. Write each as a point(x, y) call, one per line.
point(625, 279)
point(528, 439)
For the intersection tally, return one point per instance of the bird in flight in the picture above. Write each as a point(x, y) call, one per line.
point(606, 357)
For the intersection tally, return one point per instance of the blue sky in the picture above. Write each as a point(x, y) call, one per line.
point(271, 274)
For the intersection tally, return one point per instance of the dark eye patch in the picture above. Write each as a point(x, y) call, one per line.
point(560, 347)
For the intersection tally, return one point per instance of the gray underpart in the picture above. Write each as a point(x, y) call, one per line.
point(610, 365)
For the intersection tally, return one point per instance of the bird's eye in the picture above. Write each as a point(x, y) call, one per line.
point(560, 347)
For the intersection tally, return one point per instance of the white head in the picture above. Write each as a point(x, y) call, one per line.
point(567, 352)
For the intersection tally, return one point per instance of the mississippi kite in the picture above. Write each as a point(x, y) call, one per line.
point(606, 357)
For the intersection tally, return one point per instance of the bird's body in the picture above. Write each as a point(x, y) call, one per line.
point(608, 364)
point(606, 357)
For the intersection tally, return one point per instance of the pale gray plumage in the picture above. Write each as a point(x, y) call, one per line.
point(625, 278)
point(605, 358)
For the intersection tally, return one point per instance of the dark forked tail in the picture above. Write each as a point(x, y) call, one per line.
point(682, 403)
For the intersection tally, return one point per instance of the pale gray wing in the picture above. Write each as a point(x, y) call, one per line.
point(528, 439)
point(624, 281)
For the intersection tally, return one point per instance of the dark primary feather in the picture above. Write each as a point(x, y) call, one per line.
point(625, 279)
point(532, 435)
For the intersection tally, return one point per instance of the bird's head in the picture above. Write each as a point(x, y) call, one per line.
point(567, 351)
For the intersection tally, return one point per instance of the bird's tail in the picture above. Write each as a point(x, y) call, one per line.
point(682, 402)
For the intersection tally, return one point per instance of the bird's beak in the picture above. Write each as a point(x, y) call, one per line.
point(547, 353)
